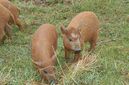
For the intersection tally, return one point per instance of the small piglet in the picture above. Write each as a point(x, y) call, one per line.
point(84, 27)
point(5, 28)
point(15, 12)
point(44, 44)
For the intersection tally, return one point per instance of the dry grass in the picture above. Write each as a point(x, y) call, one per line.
point(5, 78)
point(71, 71)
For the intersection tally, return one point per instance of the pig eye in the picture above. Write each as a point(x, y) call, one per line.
point(45, 71)
point(70, 39)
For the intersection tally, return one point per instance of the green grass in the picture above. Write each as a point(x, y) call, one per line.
point(112, 53)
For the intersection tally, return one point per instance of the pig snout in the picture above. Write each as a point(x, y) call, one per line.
point(77, 50)
point(77, 47)
point(52, 81)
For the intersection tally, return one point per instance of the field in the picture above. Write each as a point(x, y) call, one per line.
point(111, 58)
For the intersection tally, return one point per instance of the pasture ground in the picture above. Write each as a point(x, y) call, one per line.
point(111, 65)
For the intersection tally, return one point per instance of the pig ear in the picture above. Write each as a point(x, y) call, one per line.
point(54, 58)
point(37, 63)
point(63, 30)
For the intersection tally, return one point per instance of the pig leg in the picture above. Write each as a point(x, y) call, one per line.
point(2, 35)
point(93, 42)
point(3, 39)
point(8, 31)
point(92, 45)
point(18, 23)
point(77, 57)
point(66, 54)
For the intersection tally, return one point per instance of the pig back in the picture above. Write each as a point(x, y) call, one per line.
point(44, 42)
point(87, 23)
point(11, 7)
point(5, 16)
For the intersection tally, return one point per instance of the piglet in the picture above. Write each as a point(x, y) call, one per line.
point(5, 28)
point(44, 44)
point(84, 27)
point(15, 12)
